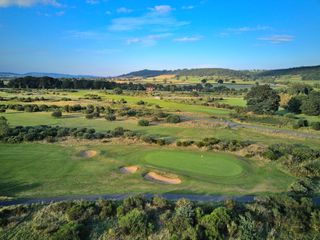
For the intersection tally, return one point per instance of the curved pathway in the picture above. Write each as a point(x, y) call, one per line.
point(168, 196)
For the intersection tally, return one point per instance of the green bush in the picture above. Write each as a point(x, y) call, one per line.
point(110, 117)
point(315, 126)
point(143, 123)
point(57, 114)
point(173, 119)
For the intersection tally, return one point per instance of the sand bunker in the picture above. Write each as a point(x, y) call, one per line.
point(153, 176)
point(88, 154)
point(130, 169)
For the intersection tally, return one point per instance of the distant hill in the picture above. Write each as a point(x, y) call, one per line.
point(146, 73)
point(10, 75)
point(305, 72)
point(310, 73)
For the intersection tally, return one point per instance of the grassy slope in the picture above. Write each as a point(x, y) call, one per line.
point(35, 170)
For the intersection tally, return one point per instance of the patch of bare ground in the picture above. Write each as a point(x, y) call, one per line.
point(129, 169)
point(88, 154)
point(156, 177)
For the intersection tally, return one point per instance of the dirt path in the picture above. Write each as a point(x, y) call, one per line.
point(168, 196)
point(171, 197)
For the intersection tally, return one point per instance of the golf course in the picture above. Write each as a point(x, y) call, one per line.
point(38, 170)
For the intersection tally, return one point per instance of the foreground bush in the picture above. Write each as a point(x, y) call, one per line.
point(136, 218)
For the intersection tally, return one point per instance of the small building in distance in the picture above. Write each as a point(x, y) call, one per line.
point(150, 89)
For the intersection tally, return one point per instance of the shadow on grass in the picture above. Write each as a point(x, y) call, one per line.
point(13, 188)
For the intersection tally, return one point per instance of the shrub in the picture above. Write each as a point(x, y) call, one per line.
point(161, 142)
point(135, 223)
point(89, 116)
point(117, 91)
point(173, 119)
point(141, 102)
point(110, 117)
point(143, 123)
point(315, 126)
point(57, 114)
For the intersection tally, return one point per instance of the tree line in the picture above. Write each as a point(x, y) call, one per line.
point(54, 83)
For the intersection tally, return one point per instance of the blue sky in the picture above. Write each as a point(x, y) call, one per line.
point(110, 37)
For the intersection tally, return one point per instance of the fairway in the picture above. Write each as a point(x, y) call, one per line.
point(206, 164)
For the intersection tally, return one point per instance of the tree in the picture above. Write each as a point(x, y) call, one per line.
point(299, 88)
point(216, 223)
point(4, 127)
point(262, 99)
point(294, 105)
point(311, 105)
point(220, 81)
point(203, 81)
point(134, 223)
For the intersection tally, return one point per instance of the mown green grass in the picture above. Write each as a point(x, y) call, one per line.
point(234, 101)
point(195, 163)
point(38, 170)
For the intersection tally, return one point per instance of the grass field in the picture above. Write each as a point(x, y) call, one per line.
point(173, 131)
point(44, 170)
point(37, 170)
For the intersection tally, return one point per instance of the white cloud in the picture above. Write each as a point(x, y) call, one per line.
point(188, 39)
point(244, 29)
point(85, 34)
point(124, 10)
point(155, 18)
point(28, 3)
point(162, 9)
point(277, 38)
point(188, 7)
point(149, 40)
point(249, 29)
point(57, 14)
point(92, 2)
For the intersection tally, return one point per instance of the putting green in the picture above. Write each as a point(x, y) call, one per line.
point(196, 163)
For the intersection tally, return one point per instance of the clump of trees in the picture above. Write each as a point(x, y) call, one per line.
point(262, 99)
point(21, 134)
point(53, 83)
point(304, 99)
